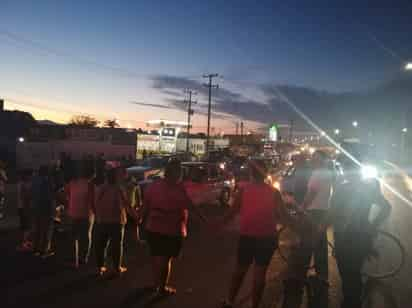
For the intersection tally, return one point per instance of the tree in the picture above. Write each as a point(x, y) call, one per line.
point(83, 121)
point(112, 123)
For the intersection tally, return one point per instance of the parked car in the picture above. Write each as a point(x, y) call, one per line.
point(207, 183)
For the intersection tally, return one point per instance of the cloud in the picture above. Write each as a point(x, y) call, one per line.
point(378, 109)
point(226, 103)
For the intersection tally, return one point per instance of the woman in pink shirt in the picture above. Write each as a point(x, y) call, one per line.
point(259, 205)
point(165, 211)
point(111, 209)
point(80, 200)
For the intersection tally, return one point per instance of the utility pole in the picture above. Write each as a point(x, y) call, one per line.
point(237, 128)
point(209, 107)
point(190, 112)
point(241, 132)
point(291, 131)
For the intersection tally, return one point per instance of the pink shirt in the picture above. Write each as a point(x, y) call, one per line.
point(80, 198)
point(110, 205)
point(167, 205)
point(258, 210)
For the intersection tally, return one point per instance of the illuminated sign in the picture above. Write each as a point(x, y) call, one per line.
point(273, 132)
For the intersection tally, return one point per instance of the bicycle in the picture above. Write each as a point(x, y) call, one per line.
point(369, 272)
point(373, 270)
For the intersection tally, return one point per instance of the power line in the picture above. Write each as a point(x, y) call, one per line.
point(209, 85)
point(151, 105)
point(40, 47)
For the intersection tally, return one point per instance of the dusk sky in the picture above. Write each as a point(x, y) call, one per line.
point(60, 58)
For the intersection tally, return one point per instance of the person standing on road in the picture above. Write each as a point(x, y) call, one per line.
point(43, 212)
point(24, 199)
point(165, 211)
point(80, 201)
point(3, 181)
point(316, 203)
point(111, 208)
point(261, 209)
point(353, 230)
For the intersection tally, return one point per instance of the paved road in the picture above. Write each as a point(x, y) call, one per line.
point(201, 275)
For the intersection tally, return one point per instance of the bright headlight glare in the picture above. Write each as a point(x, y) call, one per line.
point(369, 172)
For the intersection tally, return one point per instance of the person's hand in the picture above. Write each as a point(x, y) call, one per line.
point(289, 199)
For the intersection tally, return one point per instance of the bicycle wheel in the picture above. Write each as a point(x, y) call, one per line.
point(389, 259)
point(291, 245)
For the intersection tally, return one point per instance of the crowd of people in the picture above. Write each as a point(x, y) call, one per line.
point(104, 206)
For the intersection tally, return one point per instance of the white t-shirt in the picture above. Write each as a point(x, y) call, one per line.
point(320, 182)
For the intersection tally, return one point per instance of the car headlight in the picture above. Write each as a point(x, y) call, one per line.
point(276, 185)
point(369, 172)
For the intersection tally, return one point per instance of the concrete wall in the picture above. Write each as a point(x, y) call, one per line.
point(34, 154)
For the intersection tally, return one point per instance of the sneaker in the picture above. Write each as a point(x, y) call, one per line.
point(122, 269)
point(102, 270)
point(166, 291)
point(48, 254)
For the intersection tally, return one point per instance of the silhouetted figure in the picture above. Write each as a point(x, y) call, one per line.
point(43, 211)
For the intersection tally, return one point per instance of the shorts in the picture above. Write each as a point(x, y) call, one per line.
point(161, 245)
point(24, 217)
point(256, 249)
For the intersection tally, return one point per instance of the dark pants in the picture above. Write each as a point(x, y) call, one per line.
point(82, 239)
point(113, 234)
point(351, 253)
point(320, 248)
point(43, 232)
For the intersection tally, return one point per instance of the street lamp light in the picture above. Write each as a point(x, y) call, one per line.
point(337, 131)
point(408, 66)
point(404, 130)
point(355, 123)
point(21, 139)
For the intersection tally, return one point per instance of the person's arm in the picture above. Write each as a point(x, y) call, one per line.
point(145, 207)
point(237, 203)
point(192, 207)
point(384, 210)
point(313, 189)
point(125, 203)
point(138, 197)
point(283, 215)
point(91, 196)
